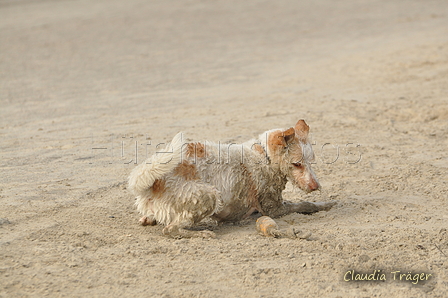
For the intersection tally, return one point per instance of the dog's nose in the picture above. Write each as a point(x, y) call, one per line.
point(313, 185)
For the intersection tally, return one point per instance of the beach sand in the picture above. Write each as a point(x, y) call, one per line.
point(90, 88)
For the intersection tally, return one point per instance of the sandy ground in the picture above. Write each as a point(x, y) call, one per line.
point(88, 88)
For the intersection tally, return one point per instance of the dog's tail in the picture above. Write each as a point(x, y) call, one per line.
point(155, 167)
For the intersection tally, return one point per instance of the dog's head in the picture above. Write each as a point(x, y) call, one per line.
point(292, 152)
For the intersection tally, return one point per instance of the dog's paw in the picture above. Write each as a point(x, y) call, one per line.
point(146, 221)
point(325, 206)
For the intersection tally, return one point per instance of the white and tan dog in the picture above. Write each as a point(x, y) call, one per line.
point(191, 181)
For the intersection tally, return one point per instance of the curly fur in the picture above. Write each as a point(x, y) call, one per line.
point(227, 182)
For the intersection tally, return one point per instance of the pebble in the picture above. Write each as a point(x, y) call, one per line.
point(4, 221)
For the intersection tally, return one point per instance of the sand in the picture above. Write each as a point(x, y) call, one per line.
point(89, 88)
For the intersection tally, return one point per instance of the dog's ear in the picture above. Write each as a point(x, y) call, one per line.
point(288, 135)
point(302, 129)
point(281, 138)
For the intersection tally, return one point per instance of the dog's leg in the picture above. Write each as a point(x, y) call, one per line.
point(288, 207)
point(191, 202)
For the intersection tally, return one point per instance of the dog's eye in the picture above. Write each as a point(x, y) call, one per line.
point(297, 164)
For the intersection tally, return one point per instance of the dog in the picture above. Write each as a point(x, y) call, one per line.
point(189, 182)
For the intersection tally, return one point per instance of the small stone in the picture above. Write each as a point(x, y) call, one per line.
point(303, 234)
point(4, 221)
point(364, 258)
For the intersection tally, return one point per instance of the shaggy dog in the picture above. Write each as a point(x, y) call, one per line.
point(188, 182)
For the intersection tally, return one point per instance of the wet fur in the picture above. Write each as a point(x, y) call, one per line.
point(227, 182)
